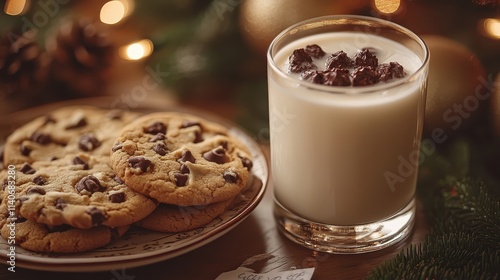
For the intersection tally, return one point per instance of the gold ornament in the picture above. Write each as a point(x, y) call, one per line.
point(262, 20)
point(455, 90)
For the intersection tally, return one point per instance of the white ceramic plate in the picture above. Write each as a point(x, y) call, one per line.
point(141, 247)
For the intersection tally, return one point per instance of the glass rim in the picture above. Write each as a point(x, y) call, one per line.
point(336, 89)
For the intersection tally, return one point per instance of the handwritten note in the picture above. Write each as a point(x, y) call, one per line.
point(243, 273)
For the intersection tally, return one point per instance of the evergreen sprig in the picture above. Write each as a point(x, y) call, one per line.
point(447, 256)
point(464, 217)
point(464, 241)
point(471, 208)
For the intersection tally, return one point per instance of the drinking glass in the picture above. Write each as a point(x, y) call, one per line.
point(344, 160)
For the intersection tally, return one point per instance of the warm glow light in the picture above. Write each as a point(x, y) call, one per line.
point(128, 5)
point(14, 7)
point(137, 50)
point(112, 12)
point(492, 27)
point(387, 6)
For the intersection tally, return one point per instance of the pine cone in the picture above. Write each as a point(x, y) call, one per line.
point(81, 57)
point(22, 66)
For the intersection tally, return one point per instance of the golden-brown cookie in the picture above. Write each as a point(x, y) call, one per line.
point(173, 218)
point(44, 238)
point(77, 190)
point(68, 130)
point(61, 239)
point(181, 159)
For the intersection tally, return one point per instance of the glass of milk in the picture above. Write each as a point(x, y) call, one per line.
point(344, 159)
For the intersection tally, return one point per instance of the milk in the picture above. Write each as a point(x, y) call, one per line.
point(346, 158)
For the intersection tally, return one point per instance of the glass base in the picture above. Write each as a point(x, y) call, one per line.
point(346, 239)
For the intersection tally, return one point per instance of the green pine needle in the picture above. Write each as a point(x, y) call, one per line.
point(472, 207)
point(464, 215)
point(448, 256)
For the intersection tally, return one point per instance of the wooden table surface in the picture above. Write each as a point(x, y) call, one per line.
point(255, 238)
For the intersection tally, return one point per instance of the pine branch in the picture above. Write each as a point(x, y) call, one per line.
point(464, 214)
point(449, 256)
point(473, 208)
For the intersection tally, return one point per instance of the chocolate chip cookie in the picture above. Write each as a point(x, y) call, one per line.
point(181, 159)
point(4, 192)
point(44, 238)
point(77, 190)
point(173, 218)
point(67, 130)
point(60, 239)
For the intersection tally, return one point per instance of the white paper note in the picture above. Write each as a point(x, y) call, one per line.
point(243, 273)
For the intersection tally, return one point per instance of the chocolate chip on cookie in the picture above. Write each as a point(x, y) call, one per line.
point(217, 155)
point(196, 162)
point(97, 216)
point(140, 163)
point(27, 169)
point(230, 176)
point(155, 128)
point(246, 162)
point(198, 136)
point(39, 180)
point(89, 183)
point(184, 169)
point(117, 146)
point(118, 197)
point(187, 156)
point(25, 150)
point(36, 190)
point(60, 204)
point(88, 142)
point(181, 179)
point(78, 161)
point(158, 137)
point(160, 148)
point(41, 138)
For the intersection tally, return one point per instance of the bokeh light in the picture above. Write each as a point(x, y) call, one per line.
point(14, 7)
point(128, 5)
point(137, 50)
point(112, 12)
point(387, 6)
point(491, 27)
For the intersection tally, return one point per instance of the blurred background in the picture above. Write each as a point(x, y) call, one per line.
point(210, 54)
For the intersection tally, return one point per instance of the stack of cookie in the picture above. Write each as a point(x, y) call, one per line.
point(167, 172)
point(191, 166)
